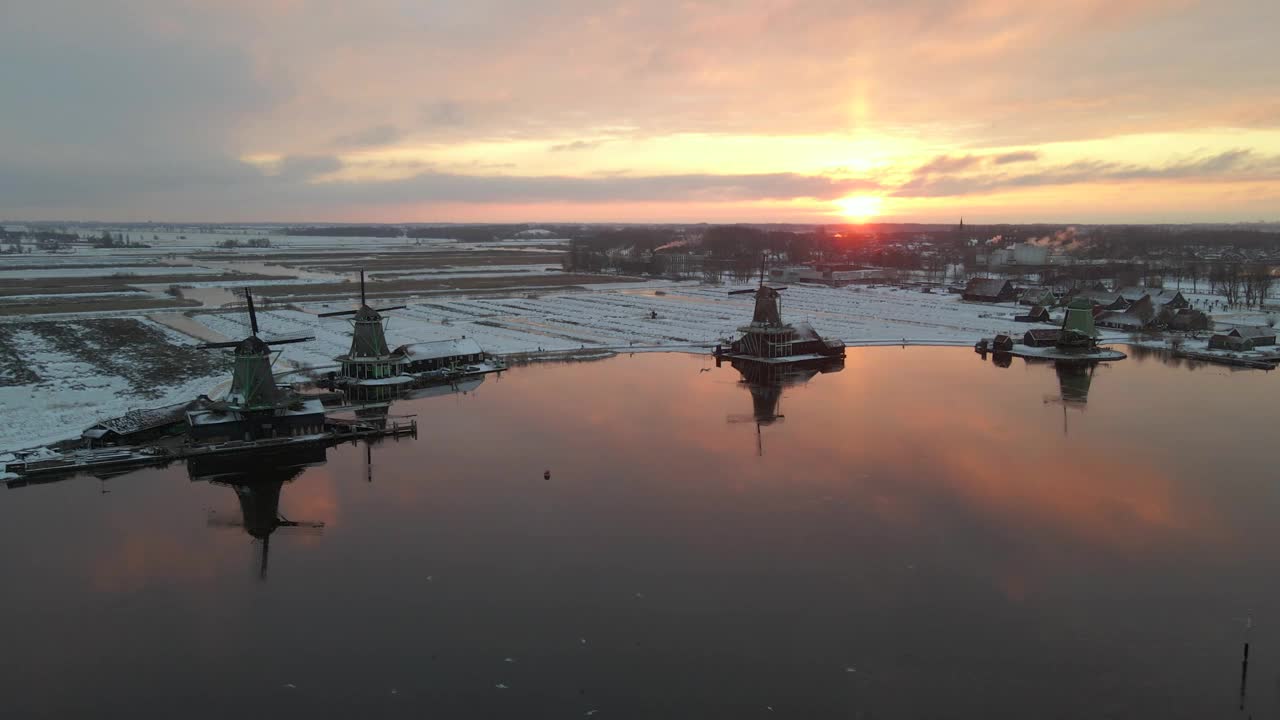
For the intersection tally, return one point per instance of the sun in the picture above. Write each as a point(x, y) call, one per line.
point(860, 208)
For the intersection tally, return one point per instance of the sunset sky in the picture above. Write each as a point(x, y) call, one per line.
point(544, 110)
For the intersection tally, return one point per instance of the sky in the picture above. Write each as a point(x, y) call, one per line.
point(640, 110)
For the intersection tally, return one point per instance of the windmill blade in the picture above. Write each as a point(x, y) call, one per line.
point(393, 307)
point(287, 341)
point(253, 316)
point(742, 292)
point(286, 522)
point(217, 345)
point(338, 313)
point(777, 289)
point(300, 529)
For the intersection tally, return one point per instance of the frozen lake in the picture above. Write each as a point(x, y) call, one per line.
point(921, 534)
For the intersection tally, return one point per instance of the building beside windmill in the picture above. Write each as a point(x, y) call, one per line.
point(254, 407)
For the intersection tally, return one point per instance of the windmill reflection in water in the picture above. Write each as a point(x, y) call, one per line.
point(257, 482)
point(766, 384)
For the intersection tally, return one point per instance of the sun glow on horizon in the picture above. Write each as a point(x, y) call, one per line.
point(860, 208)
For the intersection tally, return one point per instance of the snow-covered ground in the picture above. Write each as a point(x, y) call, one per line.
point(68, 388)
point(619, 318)
point(72, 394)
point(114, 270)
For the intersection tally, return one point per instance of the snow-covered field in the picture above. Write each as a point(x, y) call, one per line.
point(72, 394)
point(114, 270)
point(620, 318)
point(58, 378)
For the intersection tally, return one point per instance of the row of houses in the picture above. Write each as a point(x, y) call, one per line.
point(1125, 298)
point(1129, 308)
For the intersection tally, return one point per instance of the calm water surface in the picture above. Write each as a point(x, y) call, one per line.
point(921, 535)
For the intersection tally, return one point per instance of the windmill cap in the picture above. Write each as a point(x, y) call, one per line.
point(252, 345)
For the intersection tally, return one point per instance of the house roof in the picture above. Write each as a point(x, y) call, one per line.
point(1158, 295)
point(1122, 318)
point(1101, 297)
point(137, 421)
point(1252, 331)
point(805, 331)
point(441, 349)
point(990, 287)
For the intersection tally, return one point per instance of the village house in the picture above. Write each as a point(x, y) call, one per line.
point(1139, 315)
point(1046, 337)
point(989, 290)
point(1002, 344)
point(1224, 341)
point(1105, 299)
point(1160, 297)
point(1257, 335)
point(137, 426)
point(1038, 296)
point(1037, 313)
point(441, 354)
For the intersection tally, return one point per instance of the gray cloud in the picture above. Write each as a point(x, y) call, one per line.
point(1230, 165)
point(448, 187)
point(443, 113)
point(116, 101)
point(576, 145)
point(370, 137)
point(946, 163)
point(302, 167)
point(1016, 157)
point(244, 191)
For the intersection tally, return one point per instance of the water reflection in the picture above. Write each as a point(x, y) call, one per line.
point(766, 382)
point(919, 519)
point(1074, 380)
point(257, 481)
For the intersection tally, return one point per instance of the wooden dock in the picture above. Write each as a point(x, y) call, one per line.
point(1233, 361)
point(120, 458)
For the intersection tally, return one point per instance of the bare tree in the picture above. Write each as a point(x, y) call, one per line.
point(1257, 283)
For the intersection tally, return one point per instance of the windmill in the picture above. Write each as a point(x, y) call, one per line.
point(1078, 330)
point(769, 339)
point(766, 336)
point(370, 358)
point(254, 407)
point(253, 385)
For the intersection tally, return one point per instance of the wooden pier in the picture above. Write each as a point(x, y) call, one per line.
point(1226, 359)
point(120, 458)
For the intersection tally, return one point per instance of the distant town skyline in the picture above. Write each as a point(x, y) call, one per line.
point(826, 111)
